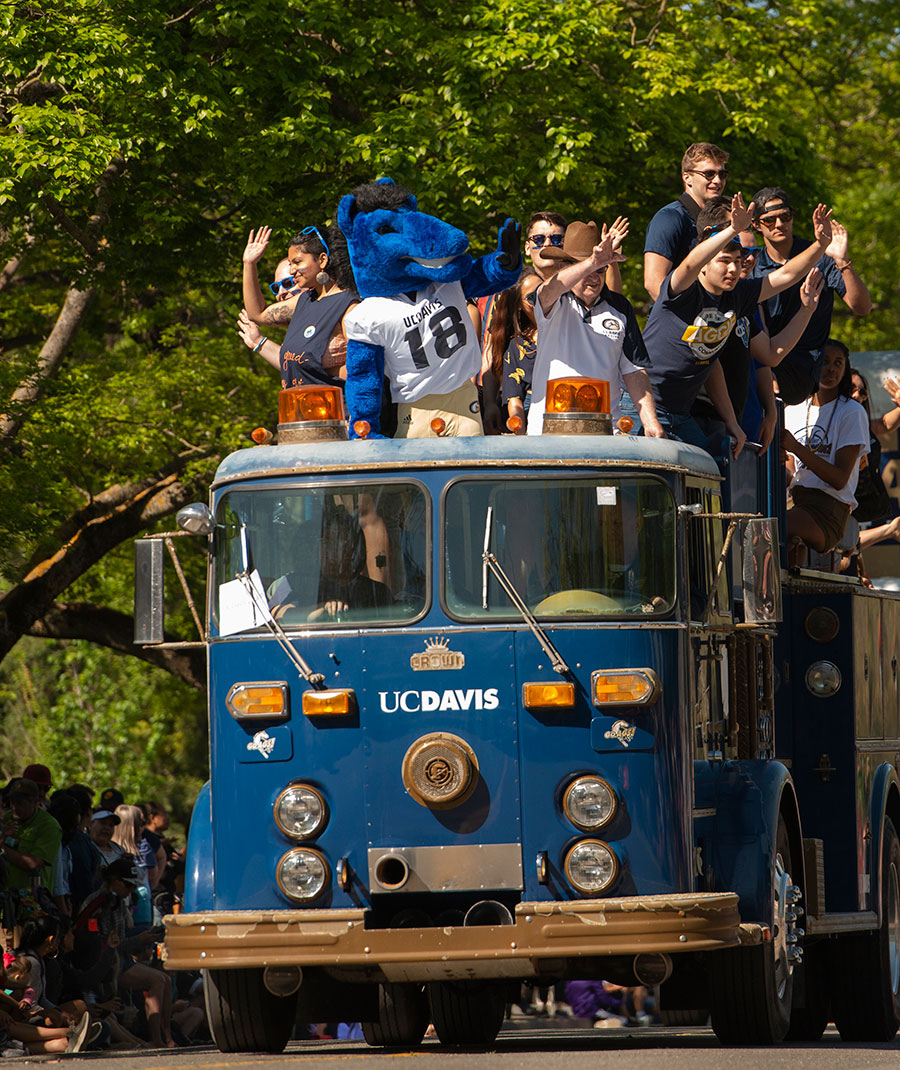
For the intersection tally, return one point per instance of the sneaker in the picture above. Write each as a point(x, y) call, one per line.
point(93, 1033)
point(609, 1023)
point(78, 1032)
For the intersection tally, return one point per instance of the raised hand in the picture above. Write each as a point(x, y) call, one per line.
point(812, 287)
point(604, 253)
point(256, 245)
point(741, 214)
point(892, 386)
point(837, 248)
point(618, 231)
point(822, 224)
point(247, 329)
point(509, 245)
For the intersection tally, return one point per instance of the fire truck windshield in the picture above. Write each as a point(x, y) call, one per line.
point(571, 547)
point(329, 554)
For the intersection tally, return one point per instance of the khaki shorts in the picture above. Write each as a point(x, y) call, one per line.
point(459, 410)
point(830, 514)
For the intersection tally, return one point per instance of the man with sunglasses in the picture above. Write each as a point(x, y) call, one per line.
point(673, 230)
point(797, 375)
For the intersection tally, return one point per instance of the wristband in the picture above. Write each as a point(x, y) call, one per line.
point(844, 268)
point(260, 344)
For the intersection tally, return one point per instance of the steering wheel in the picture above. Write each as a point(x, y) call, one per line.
point(566, 603)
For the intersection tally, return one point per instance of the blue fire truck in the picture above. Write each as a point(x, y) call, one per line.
point(485, 711)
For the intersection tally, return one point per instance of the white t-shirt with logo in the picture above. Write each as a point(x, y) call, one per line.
point(602, 342)
point(842, 422)
point(430, 345)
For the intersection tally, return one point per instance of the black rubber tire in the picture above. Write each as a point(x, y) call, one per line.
point(402, 1017)
point(467, 1013)
point(810, 1022)
point(684, 1018)
point(746, 1005)
point(869, 1007)
point(243, 1015)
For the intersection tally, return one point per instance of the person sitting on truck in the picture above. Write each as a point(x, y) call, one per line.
point(700, 303)
point(824, 438)
point(586, 329)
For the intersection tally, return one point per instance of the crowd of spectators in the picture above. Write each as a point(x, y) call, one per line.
point(84, 885)
point(740, 314)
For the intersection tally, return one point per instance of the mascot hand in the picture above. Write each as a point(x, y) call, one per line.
point(509, 245)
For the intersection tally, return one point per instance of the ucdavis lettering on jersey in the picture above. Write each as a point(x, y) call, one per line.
point(473, 698)
point(420, 314)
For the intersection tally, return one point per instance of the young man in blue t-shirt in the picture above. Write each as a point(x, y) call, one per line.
point(672, 231)
point(700, 303)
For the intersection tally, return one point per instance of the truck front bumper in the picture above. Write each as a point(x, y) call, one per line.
point(541, 934)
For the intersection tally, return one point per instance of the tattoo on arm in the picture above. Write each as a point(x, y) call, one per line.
point(279, 313)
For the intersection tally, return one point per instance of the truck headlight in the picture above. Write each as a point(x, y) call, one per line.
point(823, 678)
point(589, 803)
point(301, 812)
point(591, 867)
point(302, 874)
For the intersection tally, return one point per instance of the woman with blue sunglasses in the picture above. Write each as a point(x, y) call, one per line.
point(314, 349)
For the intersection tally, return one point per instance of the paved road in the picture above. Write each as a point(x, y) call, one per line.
point(542, 1046)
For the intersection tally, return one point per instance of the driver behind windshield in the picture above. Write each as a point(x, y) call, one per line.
point(341, 582)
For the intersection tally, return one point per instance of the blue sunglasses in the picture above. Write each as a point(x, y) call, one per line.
point(318, 234)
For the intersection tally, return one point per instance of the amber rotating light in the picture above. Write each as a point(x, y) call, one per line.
point(311, 414)
point(576, 406)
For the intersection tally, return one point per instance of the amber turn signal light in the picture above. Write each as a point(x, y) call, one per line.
point(625, 424)
point(302, 403)
point(261, 436)
point(257, 700)
point(545, 696)
point(362, 428)
point(329, 703)
point(625, 687)
point(514, 424)
point(577, 395)
point(438, 425)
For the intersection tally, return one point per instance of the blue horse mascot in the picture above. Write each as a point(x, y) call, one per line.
point(414, 276)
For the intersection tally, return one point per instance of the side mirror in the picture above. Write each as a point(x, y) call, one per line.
point(149, 597)
point(196, 519)
point(761, 571)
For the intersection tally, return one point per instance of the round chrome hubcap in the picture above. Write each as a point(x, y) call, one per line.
point(785, 933)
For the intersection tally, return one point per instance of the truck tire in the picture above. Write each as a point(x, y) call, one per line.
point(810, 1021)
point(402, 1017)
point(869, 1007)
point(243, 1014)
point(467, 1013)
point(751, 987)
point(684, 1018)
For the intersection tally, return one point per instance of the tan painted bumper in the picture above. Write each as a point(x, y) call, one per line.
point(541, 931)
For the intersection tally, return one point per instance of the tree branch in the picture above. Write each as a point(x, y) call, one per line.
point(110, 628)
point(52, 352)
point(30, 599)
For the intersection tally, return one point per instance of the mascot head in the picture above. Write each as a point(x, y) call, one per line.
point(393, 247)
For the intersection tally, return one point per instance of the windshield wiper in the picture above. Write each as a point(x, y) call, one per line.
point(491, 562)
point(262, 607)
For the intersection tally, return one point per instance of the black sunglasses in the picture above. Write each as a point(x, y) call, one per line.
point(722, 173)
point(282, 284)
point(537, 240)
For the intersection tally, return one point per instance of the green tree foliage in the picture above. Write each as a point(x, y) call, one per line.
point(139, 146)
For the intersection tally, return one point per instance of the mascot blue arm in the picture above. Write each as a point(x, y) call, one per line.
point(393, 248)
point(365, 374)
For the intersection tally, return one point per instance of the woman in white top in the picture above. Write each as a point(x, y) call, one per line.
point(824, 437)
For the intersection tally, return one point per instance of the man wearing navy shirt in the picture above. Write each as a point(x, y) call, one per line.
point(673, 230)
point(798, 374)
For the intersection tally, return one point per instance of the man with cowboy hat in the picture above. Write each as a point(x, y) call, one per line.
point(586, 329)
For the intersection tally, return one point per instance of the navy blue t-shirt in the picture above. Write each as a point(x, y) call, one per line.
point(685, 334)
point(306, 341)
point(672, 233)
point(780, 309)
